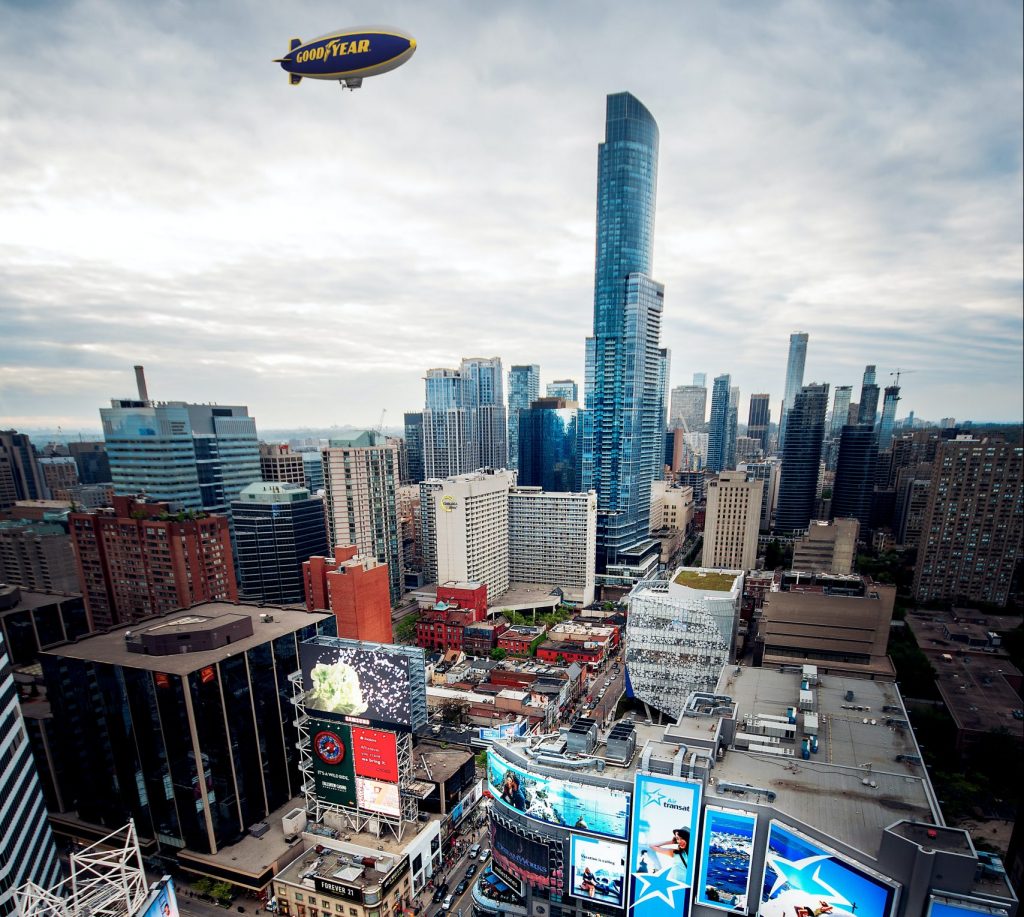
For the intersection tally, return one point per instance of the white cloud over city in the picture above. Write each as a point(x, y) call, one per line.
point(849, 170)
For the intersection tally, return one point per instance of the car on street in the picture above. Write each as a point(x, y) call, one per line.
point(440, 892)
point(472, 870)
point(461, 887)
point(485, 853)
point(447, 903)
point(474, 851)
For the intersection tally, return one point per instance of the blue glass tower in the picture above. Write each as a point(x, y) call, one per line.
point(624, 402)
point(718, 426)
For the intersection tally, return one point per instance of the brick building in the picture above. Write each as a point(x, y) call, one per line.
point(356, 588)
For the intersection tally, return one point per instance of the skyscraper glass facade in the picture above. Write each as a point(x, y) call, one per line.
point(718, 425)
point(414, 446)
point(801, 458)
point(759, 418)
point(840, 409)
point(887, 424)
point(868, 408)
point(523, 390)
point(794, 379)
point(549, 441)
point(855, 475)
point(623, 393)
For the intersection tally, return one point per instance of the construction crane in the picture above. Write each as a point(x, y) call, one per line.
point(379, 429)
point(901, 372)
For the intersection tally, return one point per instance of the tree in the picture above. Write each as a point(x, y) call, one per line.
point(452, 711)
point(497, 654)
point(222, 892)
point(202, 885)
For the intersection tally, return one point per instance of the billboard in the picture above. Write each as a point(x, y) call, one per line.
point(362, 687)
point(162, 902)
point(600, 809)
point(504, 731)
point(597, 870)
point(334, 774)
point(727, 844)
point(375, 754)
point(377, 796)
point(803, 877)
point(666, 812)
point(520, 857)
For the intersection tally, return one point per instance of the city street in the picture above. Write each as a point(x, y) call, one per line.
point(606, 705)
point(455, 868)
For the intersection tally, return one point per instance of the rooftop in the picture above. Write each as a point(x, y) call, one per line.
point(443, 762)
point(705, 579)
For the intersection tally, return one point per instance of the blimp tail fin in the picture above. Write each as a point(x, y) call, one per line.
point(294, 79)
point(294, 43)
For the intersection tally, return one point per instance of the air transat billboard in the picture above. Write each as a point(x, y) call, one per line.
point(802, 877)
point(666, 814)
point(727, 843)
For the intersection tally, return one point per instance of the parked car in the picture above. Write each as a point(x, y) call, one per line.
point(440, 892)
point(472, 870)
point(474, 851)
point(485, 854)
point(447, 903)
point(461, 887)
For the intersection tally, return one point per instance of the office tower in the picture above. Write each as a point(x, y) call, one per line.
point(27, 851)
point(794, 380)
point(868, 406)
point(622, 357)
point(550, 431)
point(355, 589)
point(449, 445)
point(718, 425)
point(971, 534)
point(801, 458)
point(523, 390)
point(700, 380)
point(566, 389)
point(688, 407)
point(279, 464)
point(414, 446)
point(855, 475)
point(748, 449)
point(485, 392)
point(828, 547)
point(93, 464)
point(887, 425)
point(552, 539)
point(37, 556)
point(840, 410)
point(90, 496)
point(732, 427)
point(768, 472)
point(465, 529)
point(913, 487)
point(278, 526)
point(195, 456)
point(313, 470)
point(403, 456)
point(182, 723)
point(732, 521)
point(138, 559)
point(20, 478)
point(59, 473)
point(759, 418)
point(361, 477)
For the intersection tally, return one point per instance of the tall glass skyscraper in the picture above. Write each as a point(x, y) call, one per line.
point(414, 446)
point(549, 440)
point(624, 370)
point(868, 397)
point(485, 391)
point(888, 422)
point(840, 409)
point(759, 418)
point(794, 379)
point(718, 426)
point(855, 475)
point(523, 390)
point(801, 459)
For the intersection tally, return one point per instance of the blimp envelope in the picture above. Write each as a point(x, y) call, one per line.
point(348, 55)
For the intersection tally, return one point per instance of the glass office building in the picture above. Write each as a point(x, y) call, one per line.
point(801, 458)
point(718, 426)
point(624, 396)
point(523, 390)
point(549, 444)
point(794, 379)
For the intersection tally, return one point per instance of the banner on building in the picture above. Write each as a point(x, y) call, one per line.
point(727, 845)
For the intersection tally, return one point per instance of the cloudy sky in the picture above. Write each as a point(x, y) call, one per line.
point(852, 170)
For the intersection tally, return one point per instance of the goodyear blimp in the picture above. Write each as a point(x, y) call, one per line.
point(348, 56)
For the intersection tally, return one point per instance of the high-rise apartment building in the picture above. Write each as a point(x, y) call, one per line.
point(973, 524)
point(355, 588)
point(732, 521)
point(732, 427)
point(37, 556)
point(27, 851)
point(552, 539)
point(451, 442)
point(60, 474)
point(700, 380)
point(138, 559)
point(855, 475)
point(718, 426)
point(887, 424)
point(361, 478)
point(313, 470)
point(279, 464)
point(688, 407)
point(794, 380)
point(768, 472)
point(523, 390)
point(20, 478)
point(414, 446)
point(801, 458)
point(550, 439)
point(867, 409)
point(278, 526)
point(624, 365)
point(196, 456)
point(485, 386)
point(566, 389)
point(759, 418)
point(93, 464)
point(840, 410)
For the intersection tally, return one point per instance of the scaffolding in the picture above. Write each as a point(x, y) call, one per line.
point(107, 880)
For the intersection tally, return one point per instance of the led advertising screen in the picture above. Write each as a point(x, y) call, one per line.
point(519, 856)
point(802, 877)
point(941, 906)
point(597, 870)
point(504, 731)
point(727, 844)
point(666, 813)
point(334, 774)
point(164, 904)
point(377, 796)
point(602, 810)
point(357, 686)
point(375, 754)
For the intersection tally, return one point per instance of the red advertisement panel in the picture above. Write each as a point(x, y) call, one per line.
point(375, 754)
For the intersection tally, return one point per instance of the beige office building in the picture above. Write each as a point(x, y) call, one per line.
point(732, 521)
point(828, 547)
point(671, 506)
point(279, 463)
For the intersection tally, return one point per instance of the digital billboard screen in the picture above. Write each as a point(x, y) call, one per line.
point(597, 870)
point(727, 844)
point(941, 906)
point(665, 820)
point(519, 856)
point(803, 877)
point(164, 903)
point(601, 810)
point(334, 775)
point(375, 754)
point(362, 687)
point(377, 796)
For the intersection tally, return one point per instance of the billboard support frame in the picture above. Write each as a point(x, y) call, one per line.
point(357, 819)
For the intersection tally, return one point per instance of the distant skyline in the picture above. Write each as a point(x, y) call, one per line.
point(848, 170)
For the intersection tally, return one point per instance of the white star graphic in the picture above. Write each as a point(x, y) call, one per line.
point(658, 885)
point(797, 874)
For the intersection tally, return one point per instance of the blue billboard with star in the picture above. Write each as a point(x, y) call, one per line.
point(663, 845)
point(803, 877)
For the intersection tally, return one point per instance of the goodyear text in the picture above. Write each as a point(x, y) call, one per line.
point(334, 48)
